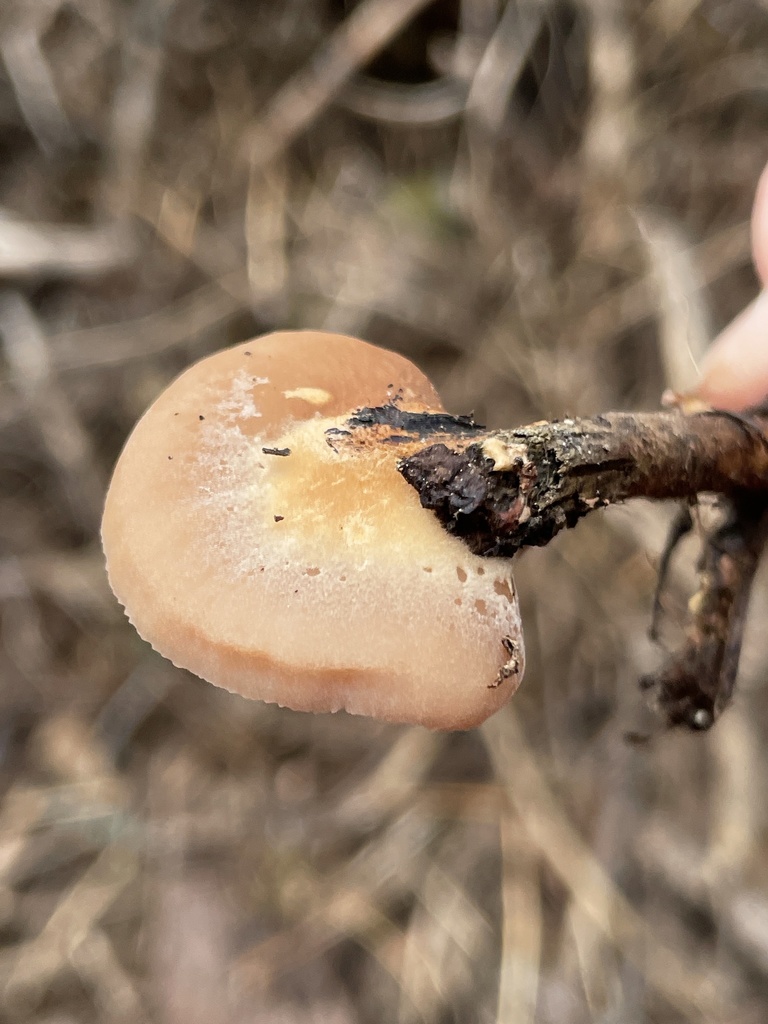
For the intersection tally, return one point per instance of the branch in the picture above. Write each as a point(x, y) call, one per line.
point(504, 490)
point(518, 488)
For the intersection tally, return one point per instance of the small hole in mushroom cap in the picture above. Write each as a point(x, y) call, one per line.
point(504, 589)
point(312, 572)
point(481, 607)
point(480, 571)
point(461, 574)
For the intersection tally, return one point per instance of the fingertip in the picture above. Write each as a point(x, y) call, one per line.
point(759, 227)
point(734, 374)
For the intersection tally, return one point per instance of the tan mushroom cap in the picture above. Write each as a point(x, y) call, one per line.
point(313, 579)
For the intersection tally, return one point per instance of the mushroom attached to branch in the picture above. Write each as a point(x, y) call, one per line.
point(253, 545)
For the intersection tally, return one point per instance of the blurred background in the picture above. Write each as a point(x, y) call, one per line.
point(545, 205)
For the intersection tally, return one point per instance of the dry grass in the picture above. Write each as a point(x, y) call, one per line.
point(546, 206)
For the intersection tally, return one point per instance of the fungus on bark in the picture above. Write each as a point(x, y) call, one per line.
point(256, 539)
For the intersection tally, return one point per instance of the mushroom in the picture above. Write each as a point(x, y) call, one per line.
point(251, 547)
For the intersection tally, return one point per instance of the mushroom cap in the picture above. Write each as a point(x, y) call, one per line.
point(249, 548)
